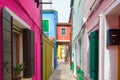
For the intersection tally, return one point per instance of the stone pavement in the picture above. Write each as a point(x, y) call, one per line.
point(62, 72)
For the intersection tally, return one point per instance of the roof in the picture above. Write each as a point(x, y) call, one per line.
point(49, 10)
point(63, 24)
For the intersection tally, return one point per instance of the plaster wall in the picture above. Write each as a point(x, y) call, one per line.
point(30, 14)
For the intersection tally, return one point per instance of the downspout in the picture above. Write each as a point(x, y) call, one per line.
point(94, 6)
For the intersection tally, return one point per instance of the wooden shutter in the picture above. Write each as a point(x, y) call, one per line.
point(28, 53)
point(94, 55)
point(45, 25)
point(7, 45)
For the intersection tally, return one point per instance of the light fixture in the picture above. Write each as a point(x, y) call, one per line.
point(37, 1)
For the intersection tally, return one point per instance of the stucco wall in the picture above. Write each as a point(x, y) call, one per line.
point(64, 37)
point(111, 52)
point(29, 13)
point(78, 15)
point(91, 24)
point(52, 17)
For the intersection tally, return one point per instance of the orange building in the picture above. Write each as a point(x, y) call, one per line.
point(63, 37)
point(63, 33)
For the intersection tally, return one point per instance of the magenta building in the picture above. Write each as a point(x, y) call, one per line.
point(20, 38)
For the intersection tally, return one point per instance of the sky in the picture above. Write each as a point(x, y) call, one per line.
point(62, 6)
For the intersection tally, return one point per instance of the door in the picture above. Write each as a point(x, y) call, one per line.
point(94, 55)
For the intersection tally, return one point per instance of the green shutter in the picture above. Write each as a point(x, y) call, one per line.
point(94, 55)
point(45, 25)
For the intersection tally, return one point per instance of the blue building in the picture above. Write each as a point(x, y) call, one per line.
point(49, 22)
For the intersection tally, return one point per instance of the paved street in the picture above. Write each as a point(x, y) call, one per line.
point(62, 72)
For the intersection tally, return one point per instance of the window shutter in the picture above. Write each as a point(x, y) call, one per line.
point(7, 43)
point(94, 55)
point(28, 53)
point(45, 25)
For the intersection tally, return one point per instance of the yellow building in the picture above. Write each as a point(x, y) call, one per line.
point(47, 57)
point(59, 51)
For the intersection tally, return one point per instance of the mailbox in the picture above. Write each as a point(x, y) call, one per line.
point(113, 37)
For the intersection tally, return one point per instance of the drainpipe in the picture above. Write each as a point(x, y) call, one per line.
point(94, 6)
point(101, 49)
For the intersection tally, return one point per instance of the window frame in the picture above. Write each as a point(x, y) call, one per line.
point(61, 31)
point(48, 26)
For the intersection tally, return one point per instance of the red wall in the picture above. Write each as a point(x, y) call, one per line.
point(67, 36)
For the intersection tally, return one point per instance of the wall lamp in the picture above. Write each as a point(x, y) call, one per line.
point(37, 1)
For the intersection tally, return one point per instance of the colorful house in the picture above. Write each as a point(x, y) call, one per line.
point(77, 62)
point(47, 57)
point(70, 46)
point(63, 40)
point(105, 19)
point(20, 40)
point(49, 22)
point(101, 48)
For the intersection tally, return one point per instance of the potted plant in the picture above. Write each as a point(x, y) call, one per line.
point(17, 70)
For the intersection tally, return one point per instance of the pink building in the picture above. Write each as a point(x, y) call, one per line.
point(20, 38)
point(103, 16)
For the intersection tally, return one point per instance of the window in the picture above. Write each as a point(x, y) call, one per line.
point(63, 31)
point(45, 25)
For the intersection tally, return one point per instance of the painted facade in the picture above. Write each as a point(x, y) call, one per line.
point(48, 56)
point(101, 22)
point(15, 18)
point(63, 35)
point(49, 21)
point(77, 63)
point(99, 60)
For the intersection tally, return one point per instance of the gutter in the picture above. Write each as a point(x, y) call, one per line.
point(94, 6)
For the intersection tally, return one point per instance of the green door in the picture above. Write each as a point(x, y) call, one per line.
point(94, 55)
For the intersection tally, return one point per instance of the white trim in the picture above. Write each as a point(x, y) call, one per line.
point(111, 7)
point(101, 49)
point(63, 40)
point(17, 18)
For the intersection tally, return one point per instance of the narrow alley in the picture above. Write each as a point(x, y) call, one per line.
point(59, 39)
point(62, 72)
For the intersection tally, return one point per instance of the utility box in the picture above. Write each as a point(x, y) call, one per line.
point(113, 37)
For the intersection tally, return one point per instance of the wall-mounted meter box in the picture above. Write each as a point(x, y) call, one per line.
point(113, 37)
